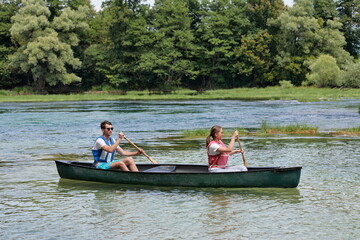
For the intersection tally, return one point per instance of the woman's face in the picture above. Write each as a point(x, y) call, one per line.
point(219, 135)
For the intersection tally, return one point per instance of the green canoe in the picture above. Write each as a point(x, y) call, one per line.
point(185, 175)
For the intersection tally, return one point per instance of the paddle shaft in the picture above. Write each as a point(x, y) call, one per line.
point(242, 154)
point(152, 160)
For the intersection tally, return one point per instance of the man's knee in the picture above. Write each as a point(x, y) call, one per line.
point(128, 160)
point(118, 164)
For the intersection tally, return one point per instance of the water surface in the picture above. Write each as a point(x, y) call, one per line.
point(37, 204)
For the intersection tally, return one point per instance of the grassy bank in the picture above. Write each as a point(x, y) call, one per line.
point(250, 94)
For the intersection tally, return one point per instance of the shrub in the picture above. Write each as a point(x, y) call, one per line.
point(324, 72)
point(4, 92)
point(24, 90)
point(286, 84)
point(351, 76)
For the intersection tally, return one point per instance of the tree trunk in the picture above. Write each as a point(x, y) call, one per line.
point(39, 84)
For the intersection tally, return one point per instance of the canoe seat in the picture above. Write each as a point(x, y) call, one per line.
point(161, 169)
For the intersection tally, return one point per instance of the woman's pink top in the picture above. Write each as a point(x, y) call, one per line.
point(219, 160)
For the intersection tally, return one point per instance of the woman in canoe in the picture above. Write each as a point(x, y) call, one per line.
point(218, 152)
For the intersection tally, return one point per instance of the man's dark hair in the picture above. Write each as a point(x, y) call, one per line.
point(102, 125)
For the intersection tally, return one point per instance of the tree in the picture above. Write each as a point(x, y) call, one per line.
point(331, 41)
point(300, 38)
point(349, 13)
point(45, 47)
point(171, 56)
point(255, 60)
point(7, 10)
point(259, 11)
point(223, 22)
point(120, 35)
point(325, 10)
point(255, 55)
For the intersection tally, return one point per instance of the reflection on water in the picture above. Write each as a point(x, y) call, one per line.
point(279, 194)
point(36, 204)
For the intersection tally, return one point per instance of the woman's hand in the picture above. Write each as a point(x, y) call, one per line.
point(235, 134)
point(237, 151)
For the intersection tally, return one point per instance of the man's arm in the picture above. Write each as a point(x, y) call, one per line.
point(114, 146)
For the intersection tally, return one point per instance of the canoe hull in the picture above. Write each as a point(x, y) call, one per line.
point(184, 176)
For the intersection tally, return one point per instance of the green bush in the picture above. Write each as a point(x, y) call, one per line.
point(286, 84)
point(324, 72)
point(4, 92)
point(25, 90)
point(103, 87)
point(351, 77)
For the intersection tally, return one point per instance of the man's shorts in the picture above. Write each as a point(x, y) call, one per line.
point(105, 165)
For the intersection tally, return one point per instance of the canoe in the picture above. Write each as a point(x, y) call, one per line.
point(184, 175)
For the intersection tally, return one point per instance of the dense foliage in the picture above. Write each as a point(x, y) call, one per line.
point(65, 45)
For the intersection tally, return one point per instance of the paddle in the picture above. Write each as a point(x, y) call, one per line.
point(243, 157)
point(152, 160)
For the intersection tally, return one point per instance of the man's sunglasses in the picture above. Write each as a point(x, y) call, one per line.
point(109, 129)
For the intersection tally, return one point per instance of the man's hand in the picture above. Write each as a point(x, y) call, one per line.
point(121, 135)
point(140, 151)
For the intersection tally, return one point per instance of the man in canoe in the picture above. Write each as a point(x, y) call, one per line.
point(105, 147)
point(218, 152)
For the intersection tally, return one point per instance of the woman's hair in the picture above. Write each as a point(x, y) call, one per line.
point(215, 129)
point(102, 124)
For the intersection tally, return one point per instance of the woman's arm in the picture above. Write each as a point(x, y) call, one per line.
point(229, 148)
point(236, 151)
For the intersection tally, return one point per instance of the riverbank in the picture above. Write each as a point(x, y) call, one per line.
point(303, 94)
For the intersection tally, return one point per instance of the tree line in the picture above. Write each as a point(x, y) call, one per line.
point(65, 45)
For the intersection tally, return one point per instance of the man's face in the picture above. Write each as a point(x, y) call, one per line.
point(107, 131)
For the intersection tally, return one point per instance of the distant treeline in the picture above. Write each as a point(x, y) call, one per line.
point(65, 45)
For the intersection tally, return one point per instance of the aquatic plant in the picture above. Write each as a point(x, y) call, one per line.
point(296, 128)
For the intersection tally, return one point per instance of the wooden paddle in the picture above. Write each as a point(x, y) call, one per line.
point(152, 160)
point(243, 157)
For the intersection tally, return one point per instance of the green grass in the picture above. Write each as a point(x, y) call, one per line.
point(266, 129)
point(289, 129)
point(250, 94)
point(348, 131)
point(205, 132)
point(355, 129)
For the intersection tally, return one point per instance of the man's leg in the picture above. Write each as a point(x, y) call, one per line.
point(129, 162)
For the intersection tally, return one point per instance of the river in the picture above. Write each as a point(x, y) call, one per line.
point(36, 204)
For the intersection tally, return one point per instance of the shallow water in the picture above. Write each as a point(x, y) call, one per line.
point(37, 204)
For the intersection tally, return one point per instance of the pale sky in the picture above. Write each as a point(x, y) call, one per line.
point(97, 3)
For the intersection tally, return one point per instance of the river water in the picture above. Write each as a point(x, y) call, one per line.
point(36, 204)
